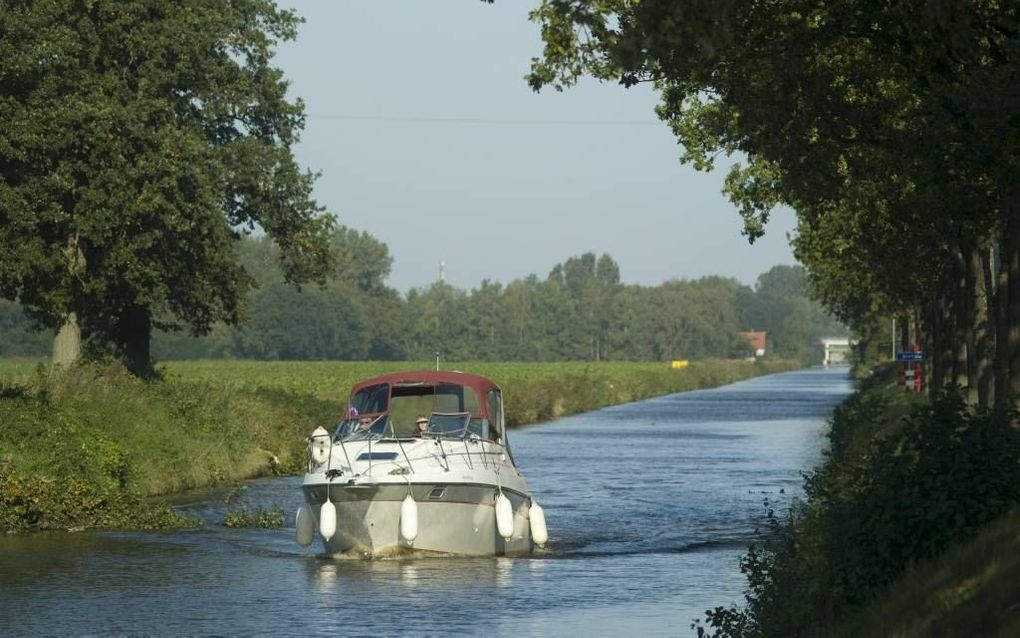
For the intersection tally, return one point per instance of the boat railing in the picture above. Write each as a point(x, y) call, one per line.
point(448, 430)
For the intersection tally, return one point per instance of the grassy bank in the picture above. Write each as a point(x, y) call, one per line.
point(912, 509)
point(970, 590)
point(533, 391)
point(86, 448)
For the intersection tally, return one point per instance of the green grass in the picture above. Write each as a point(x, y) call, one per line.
point(86, 448)
point(532, 391)
point(971, 590)
point(17, 370)
point(83, 448)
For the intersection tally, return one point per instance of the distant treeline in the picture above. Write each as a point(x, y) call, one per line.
point(580, 311)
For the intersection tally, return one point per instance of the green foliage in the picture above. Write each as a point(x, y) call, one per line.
point(969, 590)
point(138, 140)
point(263, 518)
point(533, 391)
point(579, 312)
point(893, 493)
point(85, 448)
point(795, 324)
point(18, 336)
point(871, 121)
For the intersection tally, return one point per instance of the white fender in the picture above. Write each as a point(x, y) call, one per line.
point(504, 517)
point(305, 526)
point(327, 520)
point(319, 445)
point(409, 519)
point(539, 533)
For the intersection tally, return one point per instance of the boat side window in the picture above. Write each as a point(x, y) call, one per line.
point(449, 397)
point(494, 401)
point(479, 428)
point(373, 399)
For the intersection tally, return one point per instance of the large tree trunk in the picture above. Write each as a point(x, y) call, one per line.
point(979, 346)
point(67, 342)
point(67, 339)
point(936, 362)
point(945, 341)
point(962, 319)
point(1000, 309)
point(1011, 264)
point(970, 323)
point(134, 331)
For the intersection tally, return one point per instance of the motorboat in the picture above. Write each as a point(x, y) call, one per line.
point(419, 462)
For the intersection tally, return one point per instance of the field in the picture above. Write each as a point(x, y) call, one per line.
point(534, 391)
point(82, 448)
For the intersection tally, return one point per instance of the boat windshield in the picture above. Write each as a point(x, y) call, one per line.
point(363, 427)
point(449, 425)
point(391, 411)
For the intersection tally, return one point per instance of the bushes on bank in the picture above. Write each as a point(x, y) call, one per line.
point(879, 504)
point(87, 447)
point(259, 517)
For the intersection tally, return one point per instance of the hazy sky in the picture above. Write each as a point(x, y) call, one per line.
point(428, 137)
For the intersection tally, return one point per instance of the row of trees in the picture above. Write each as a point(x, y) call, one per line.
point(580, 311)
point(889, 127)
point(141, 142)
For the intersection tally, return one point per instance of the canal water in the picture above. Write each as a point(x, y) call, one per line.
point(650, 506)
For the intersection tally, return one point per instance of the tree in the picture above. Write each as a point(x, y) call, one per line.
point(140, 140)
point(289, 324)
point(870, 120)
point(593, 285)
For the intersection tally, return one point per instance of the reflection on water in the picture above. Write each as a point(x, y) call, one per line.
point(649, 505)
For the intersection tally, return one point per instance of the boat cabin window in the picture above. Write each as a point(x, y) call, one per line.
point(408, 401)
point(495, 404)
point(370, 400)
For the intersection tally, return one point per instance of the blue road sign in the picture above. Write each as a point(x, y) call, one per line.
point(910, 356)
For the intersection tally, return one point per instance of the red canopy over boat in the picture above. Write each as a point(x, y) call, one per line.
point(481, 385)
point(426, 379)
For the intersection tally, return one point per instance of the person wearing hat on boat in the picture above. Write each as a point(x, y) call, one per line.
point(421, 426)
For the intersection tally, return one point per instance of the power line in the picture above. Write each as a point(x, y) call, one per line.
point(477, 120)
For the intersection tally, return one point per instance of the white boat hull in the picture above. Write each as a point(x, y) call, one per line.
point(453, 518)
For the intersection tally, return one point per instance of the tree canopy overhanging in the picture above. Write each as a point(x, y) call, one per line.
point(139, 140)
point(890, 128)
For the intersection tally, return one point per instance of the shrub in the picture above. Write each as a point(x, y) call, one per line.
point(875, 508)
point(266, 518)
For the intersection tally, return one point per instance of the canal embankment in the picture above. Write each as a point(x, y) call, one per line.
point(910, 526)
point(650, 506)
point(90, 447)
